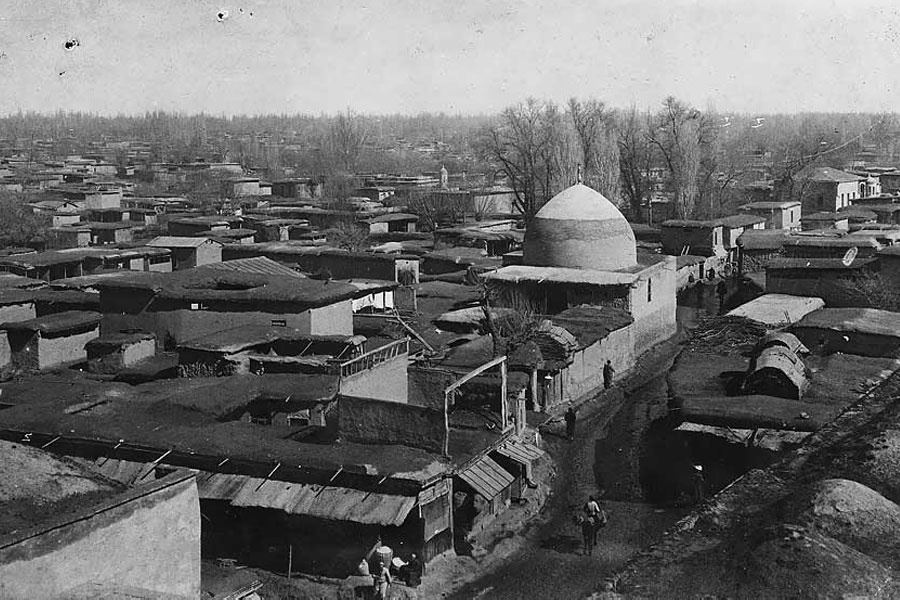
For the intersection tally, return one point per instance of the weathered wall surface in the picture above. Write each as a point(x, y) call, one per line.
point(426, 386)
point(64, 349)
point(334, 319)
point(17, 312)
point(376, 422)
point(586, 371)
point(386, 381)
point(148, 538)
point(176, 326)
point(652, 304)
point(5, 354)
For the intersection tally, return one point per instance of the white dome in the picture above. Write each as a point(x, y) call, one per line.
point(579, 228)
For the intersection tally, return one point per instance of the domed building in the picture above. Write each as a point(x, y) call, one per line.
point(580, 229)
point(580, 268)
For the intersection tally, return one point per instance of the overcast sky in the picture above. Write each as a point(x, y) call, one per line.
point(456, 56)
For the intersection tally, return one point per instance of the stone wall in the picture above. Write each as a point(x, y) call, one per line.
point(145, 539)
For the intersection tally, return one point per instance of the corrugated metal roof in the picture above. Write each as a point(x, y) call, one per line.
point(487, 477)
point(255, 264)
point(335, 503)
point(519, 451)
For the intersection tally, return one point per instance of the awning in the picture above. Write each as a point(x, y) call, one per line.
point(522, 452)
point(335, 503)
point(487, 477)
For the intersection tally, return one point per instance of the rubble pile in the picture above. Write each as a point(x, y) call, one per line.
point(726, 335)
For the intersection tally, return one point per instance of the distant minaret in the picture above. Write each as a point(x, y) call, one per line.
point(445, 178)
point(579, 175)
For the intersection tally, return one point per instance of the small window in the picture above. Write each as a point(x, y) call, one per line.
point(649, 290)
point(279, 323)
point(195, 306)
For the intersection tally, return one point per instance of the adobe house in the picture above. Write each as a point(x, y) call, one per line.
point(189, 252)
point(230, 236)
point(47, 266)
point(108, 215)
point(828, 278)
point(110, 233)
point(392, 223)
point(886, 212)
point(301, 187)
point(63, 522)
point(77, 235)
point(580, 250)
point(700, 238)
point(732, 228)
point(113, 352)
point(189, 304)
point(778, 215)
point(51, 341)
point(242, 186)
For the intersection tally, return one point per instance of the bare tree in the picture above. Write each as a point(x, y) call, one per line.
point(595, 133)
point(679, 134)
point(347, 136)
point(635, 158)
point(530, 146)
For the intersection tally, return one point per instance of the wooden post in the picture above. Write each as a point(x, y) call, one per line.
point(290, 559)
point(504, 401)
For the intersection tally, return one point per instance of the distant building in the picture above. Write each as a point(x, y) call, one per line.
point(826, 189)
point(826, 220)
point(189, 252)
point(51, 341)
point(700, 238)
point(778, 215)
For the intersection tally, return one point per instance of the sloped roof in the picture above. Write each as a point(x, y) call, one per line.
point(255, 264)
point(591, 323)
point(829, 174)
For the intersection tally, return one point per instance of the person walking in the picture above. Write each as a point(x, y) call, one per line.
point(570, 417)
point(608, 374)
point(595, 514)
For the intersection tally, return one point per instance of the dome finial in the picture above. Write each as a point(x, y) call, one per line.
point(579, 174)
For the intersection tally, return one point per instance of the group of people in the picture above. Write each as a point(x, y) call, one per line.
point(410, 572)
point(591, 520)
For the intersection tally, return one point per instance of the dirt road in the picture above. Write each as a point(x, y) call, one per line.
point(605, 456)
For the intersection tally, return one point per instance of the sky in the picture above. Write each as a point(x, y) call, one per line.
point(452, 56)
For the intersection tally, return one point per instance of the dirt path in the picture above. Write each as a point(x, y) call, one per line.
point(547, 560)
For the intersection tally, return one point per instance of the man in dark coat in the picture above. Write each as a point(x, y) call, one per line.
point(608, 374)
point(570, 423)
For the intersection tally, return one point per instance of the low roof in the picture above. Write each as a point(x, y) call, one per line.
point(692, 223)
point(168, 241)
point(524, 273)
point(10, 296)
point(825, 216)
point(486, 477)
point(854, 320)
point(245, 336)
point(828, 174)
point(591, 323)
point(769, 205)
point(200, 284)
point(818, 263)
point(777, 310)
point(56, 322)
point(883, 208)
point(831, 242)
point(393, 217)
point(741, 220)
point(256, 264)
point(763, 239)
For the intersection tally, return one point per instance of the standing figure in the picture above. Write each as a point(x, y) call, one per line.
point(381, 581)
point(699, 484)
point(414, 571)
point(595, 514)
point(588, 534)
point(608, 374)
point(570, 423)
